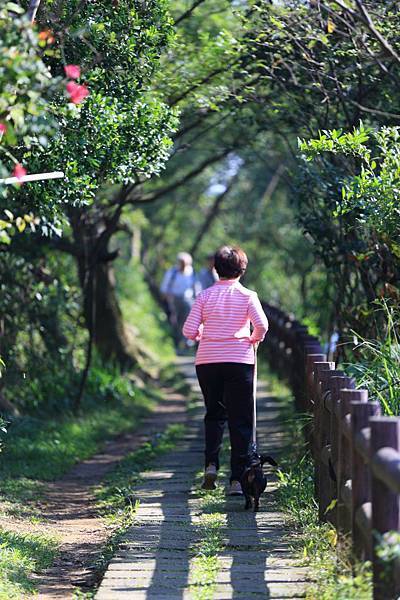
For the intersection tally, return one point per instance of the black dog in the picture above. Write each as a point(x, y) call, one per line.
point(254, 480)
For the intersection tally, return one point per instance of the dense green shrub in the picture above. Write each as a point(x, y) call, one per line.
point(349, 207)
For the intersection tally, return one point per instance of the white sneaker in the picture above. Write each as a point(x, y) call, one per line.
point(210, 477)
point(235, 489)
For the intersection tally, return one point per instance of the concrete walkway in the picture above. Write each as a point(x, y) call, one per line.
point(156, 560)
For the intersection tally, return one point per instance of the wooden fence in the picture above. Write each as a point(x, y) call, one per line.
point(356, 451)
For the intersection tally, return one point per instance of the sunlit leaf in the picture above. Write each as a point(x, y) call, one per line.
point(21, 224)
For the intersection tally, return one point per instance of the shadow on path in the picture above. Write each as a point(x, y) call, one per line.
point(153, 562)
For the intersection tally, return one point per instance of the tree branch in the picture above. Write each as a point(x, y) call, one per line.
point(193, 173)
point(206, 79)
point(187, 14)
point(212, 215)
point(60, 244)
point(364, 16)
point(270, 189)
point(370, 24)
point(110, 225)
point(374, 111)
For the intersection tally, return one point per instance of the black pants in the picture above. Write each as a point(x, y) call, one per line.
point(228, 394)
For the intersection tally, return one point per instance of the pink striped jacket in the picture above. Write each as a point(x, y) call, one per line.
point(220, 320)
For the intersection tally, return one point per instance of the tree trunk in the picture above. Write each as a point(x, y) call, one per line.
point(101, 309)
point(109, 333)
point(33, 8)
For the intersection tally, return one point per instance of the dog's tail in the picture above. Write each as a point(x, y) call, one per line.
point(268, 459)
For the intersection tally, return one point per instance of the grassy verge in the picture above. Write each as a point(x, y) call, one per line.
point(336, 575)
point(42, 450)
point(38, 451)
point(21, 554)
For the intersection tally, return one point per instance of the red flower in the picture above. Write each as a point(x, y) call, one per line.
point(19, 171)
point(72, 71)
point(3, 129)
point(76, 92)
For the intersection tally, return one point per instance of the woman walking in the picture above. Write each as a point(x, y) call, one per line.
point(220, 320)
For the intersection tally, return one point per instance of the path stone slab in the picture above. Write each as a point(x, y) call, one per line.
point(155, 559)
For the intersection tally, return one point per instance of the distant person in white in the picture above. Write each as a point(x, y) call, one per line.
point(208, 275)
point(179, 288)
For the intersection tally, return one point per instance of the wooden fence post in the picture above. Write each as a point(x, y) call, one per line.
point(309, 349)
point(361, 411)
point(319, 367)
point(337, 383)
point(327, 487)
point(385, 432)
point(344, 465)
point(310, 396)
point(311, 359)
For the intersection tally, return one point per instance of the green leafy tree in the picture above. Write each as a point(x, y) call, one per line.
point(107, 144)
point(354, 178)
point(26, 119)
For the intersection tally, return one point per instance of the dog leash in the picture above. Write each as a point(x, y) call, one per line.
point(254, 433)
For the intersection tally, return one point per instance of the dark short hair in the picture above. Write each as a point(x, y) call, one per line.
point(230, 262)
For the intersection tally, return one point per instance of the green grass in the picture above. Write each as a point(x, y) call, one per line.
point(20, 555)
point(79, 595)
point(38, 451)
point(205, 564)
point(336, 574)
point(141, 311)
point(19, 497)
point(115, 499)
point(376, 365)
point(46, 449)
point(45, 445)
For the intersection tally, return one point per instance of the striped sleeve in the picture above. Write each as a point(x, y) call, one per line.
point(192, 327)
point(258, 319)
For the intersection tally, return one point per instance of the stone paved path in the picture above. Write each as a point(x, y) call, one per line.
point(155, 560)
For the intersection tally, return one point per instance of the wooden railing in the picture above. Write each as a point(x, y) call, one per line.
point(356, 451)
